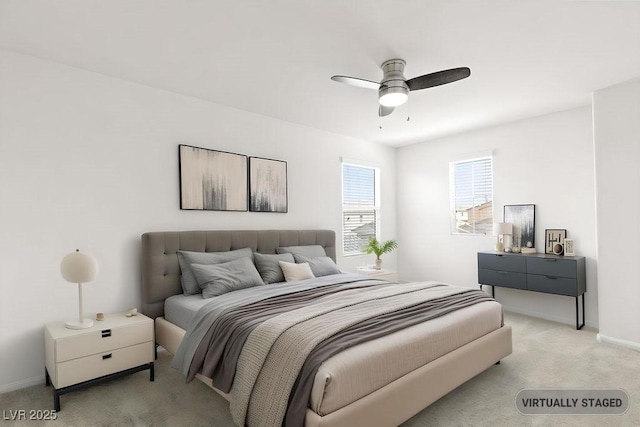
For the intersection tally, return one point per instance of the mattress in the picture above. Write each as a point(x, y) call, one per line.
point(180, 309)
point(345, 377)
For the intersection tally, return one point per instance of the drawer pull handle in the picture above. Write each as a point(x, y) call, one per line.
point(551, 277)
point(106, 333)
point(107, 356)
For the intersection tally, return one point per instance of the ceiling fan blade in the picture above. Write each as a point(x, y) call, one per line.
point(384, 111)
point(438, 78)
point(353, 81)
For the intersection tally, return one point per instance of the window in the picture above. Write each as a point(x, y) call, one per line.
point(471, 194)
point(360, 206)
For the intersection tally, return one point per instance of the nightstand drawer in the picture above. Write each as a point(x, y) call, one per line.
point(514, 263)
point(552, 285)
point(505, 279)
point(98, 365)
point(382, 274)
point(552, 267)
point(102, 340)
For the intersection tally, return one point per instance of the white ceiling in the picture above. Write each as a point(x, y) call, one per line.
point(276, 57)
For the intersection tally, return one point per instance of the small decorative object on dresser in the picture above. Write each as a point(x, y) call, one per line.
point(553, 236)
point(79, 268)
point(500, 229)
point(373, 246)
point(116, 346)
point(569, 248)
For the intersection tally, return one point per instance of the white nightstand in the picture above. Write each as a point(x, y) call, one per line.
point(116, 346)
point(382, 274)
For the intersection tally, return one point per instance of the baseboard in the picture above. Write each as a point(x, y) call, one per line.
point(617, 341)
point(546, 316)
point(6, 388)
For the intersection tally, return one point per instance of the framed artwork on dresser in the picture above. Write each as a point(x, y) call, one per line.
point(553, 236)
point(523, 218)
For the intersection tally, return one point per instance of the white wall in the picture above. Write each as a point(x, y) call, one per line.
point(547, 161)
point(617, 158)
point(91, 162)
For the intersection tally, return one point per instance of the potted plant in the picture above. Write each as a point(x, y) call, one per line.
point(374, 246)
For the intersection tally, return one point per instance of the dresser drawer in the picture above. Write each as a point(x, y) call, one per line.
point(98, 365)
point(102, 340)
point(552, 285)
point(557, 267)
point(505, 279)
point(514, 263)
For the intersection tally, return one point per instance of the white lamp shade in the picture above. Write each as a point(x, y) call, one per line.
point(502, 228)
point(78, 267)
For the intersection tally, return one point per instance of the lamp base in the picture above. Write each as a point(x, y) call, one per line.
point(499, 247)
point(75, 324)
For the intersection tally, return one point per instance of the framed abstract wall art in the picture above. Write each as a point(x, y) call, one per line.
point(267, 185)
point(212, 180)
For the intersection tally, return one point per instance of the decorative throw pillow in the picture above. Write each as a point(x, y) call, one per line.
point(310, 251)
point(293, 271)
point(218, 279)
point(186, 258)
point(269, 268)
point(320, 266)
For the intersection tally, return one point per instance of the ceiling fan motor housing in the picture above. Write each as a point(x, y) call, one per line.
point(393, 87)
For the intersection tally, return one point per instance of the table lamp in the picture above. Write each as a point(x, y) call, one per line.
point(79, 268)
point(500, 229)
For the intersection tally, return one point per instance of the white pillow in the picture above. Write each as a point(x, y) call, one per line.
point(293, 271)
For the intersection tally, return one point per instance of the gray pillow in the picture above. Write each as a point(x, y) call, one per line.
point(320, 266)
point(186, 258)
point(310, 251)
point(269, 268)
point(218, 279)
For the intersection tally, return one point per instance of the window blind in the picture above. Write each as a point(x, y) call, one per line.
point(471, 196)
point(359, 207)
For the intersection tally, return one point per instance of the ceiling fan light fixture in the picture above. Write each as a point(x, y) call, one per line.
point(393, 96)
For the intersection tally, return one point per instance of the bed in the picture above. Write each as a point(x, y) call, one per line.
point(380, 382)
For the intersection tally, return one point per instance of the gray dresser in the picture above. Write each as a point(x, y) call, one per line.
point(550, 274)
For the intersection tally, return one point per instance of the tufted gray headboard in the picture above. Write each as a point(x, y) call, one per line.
point(161, 271)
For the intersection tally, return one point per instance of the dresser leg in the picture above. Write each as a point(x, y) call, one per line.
point(47, 380)
point(152, 375)
point(578, 324)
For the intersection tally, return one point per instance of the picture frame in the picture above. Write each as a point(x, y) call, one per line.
point(268, 185)
point(523, 218)
point(212, 180)
point(553, 236)
point(569, 247)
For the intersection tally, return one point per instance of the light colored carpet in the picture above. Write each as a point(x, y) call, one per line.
point(545, 354)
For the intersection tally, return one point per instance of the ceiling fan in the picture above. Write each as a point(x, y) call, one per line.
point(394, 88)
